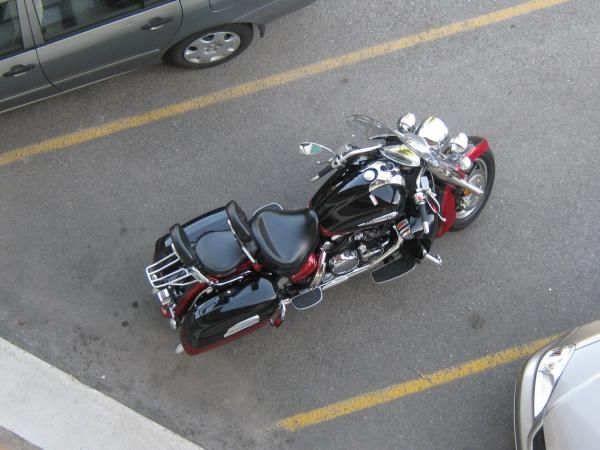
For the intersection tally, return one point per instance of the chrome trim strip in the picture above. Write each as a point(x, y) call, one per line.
point(237, 278)
point(242, 325)
point(379, 219)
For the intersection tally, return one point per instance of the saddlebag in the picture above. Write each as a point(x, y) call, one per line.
point(228, 315)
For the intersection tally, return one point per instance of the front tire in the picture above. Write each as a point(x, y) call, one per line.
point(468, 207)
point(211, 47)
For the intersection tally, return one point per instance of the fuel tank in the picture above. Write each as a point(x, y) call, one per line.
point(346, 204)
point(228, 315)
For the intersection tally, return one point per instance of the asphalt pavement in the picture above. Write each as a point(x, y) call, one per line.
point(77, 226)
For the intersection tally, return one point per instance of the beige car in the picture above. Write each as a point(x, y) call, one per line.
point(557, 396)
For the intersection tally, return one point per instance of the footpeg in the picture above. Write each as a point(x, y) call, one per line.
point(394, 269)
point(308, 299)
point(437, 260)
point(277, 320)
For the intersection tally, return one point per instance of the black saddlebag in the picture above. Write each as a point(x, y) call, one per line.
point(228, 315)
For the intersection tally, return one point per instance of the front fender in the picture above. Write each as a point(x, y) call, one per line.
point(480, 146)
point(448, 205)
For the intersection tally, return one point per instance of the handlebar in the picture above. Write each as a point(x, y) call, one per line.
point(324, 171)
point(340, 160)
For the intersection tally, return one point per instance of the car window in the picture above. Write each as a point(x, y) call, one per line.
point(10, 29)
point(60, 17)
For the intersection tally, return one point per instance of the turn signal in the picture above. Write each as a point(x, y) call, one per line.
point(465, 163)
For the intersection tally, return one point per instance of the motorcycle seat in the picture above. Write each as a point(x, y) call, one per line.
point(219, 253)
point(285, 239)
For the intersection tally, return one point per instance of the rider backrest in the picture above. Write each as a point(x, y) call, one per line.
point(240, 226)
point(182, 246)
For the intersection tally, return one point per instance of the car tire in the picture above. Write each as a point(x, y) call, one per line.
point(211, 47)
point(486, 165)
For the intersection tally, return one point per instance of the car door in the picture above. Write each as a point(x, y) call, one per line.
point(83, 41)
point(21, 79)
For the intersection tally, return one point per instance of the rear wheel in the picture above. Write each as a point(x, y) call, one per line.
point(211, 47)
point(470, 205)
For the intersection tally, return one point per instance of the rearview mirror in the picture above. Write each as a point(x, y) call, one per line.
point(311, 148)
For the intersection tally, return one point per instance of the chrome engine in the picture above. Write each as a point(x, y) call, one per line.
point(361, 249)
point(344, 262)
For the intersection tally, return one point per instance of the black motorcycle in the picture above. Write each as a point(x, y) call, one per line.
point(390, 194)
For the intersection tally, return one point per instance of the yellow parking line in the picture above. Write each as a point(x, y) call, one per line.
point(272, 81)
point(397, 391)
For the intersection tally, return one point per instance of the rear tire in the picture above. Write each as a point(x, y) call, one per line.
point(469, 207)
point(211, 47)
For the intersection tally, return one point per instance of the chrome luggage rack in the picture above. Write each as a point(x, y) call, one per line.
point(178, 276)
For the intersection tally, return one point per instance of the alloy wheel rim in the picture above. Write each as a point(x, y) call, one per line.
point(471, 203)
point(212, 47)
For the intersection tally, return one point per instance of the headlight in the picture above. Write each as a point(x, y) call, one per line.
point(548, 372)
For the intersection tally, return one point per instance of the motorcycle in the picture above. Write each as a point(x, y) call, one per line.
point(221, 275)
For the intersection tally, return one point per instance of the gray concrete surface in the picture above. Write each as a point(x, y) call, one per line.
point(77, 227)
point(10, 441)
point(51, 409)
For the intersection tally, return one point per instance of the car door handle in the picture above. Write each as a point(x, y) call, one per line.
point(156, 23)
point(18, 70)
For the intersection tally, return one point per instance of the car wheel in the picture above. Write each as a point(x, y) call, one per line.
point(470, 206)
point(211, 47)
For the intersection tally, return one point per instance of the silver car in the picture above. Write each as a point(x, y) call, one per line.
point(557, 397)
point(51, 46)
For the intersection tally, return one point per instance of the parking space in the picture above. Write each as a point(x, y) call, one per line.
point(77, 225)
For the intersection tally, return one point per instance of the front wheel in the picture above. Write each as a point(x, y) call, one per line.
point(470, 205)
point(211, 47)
